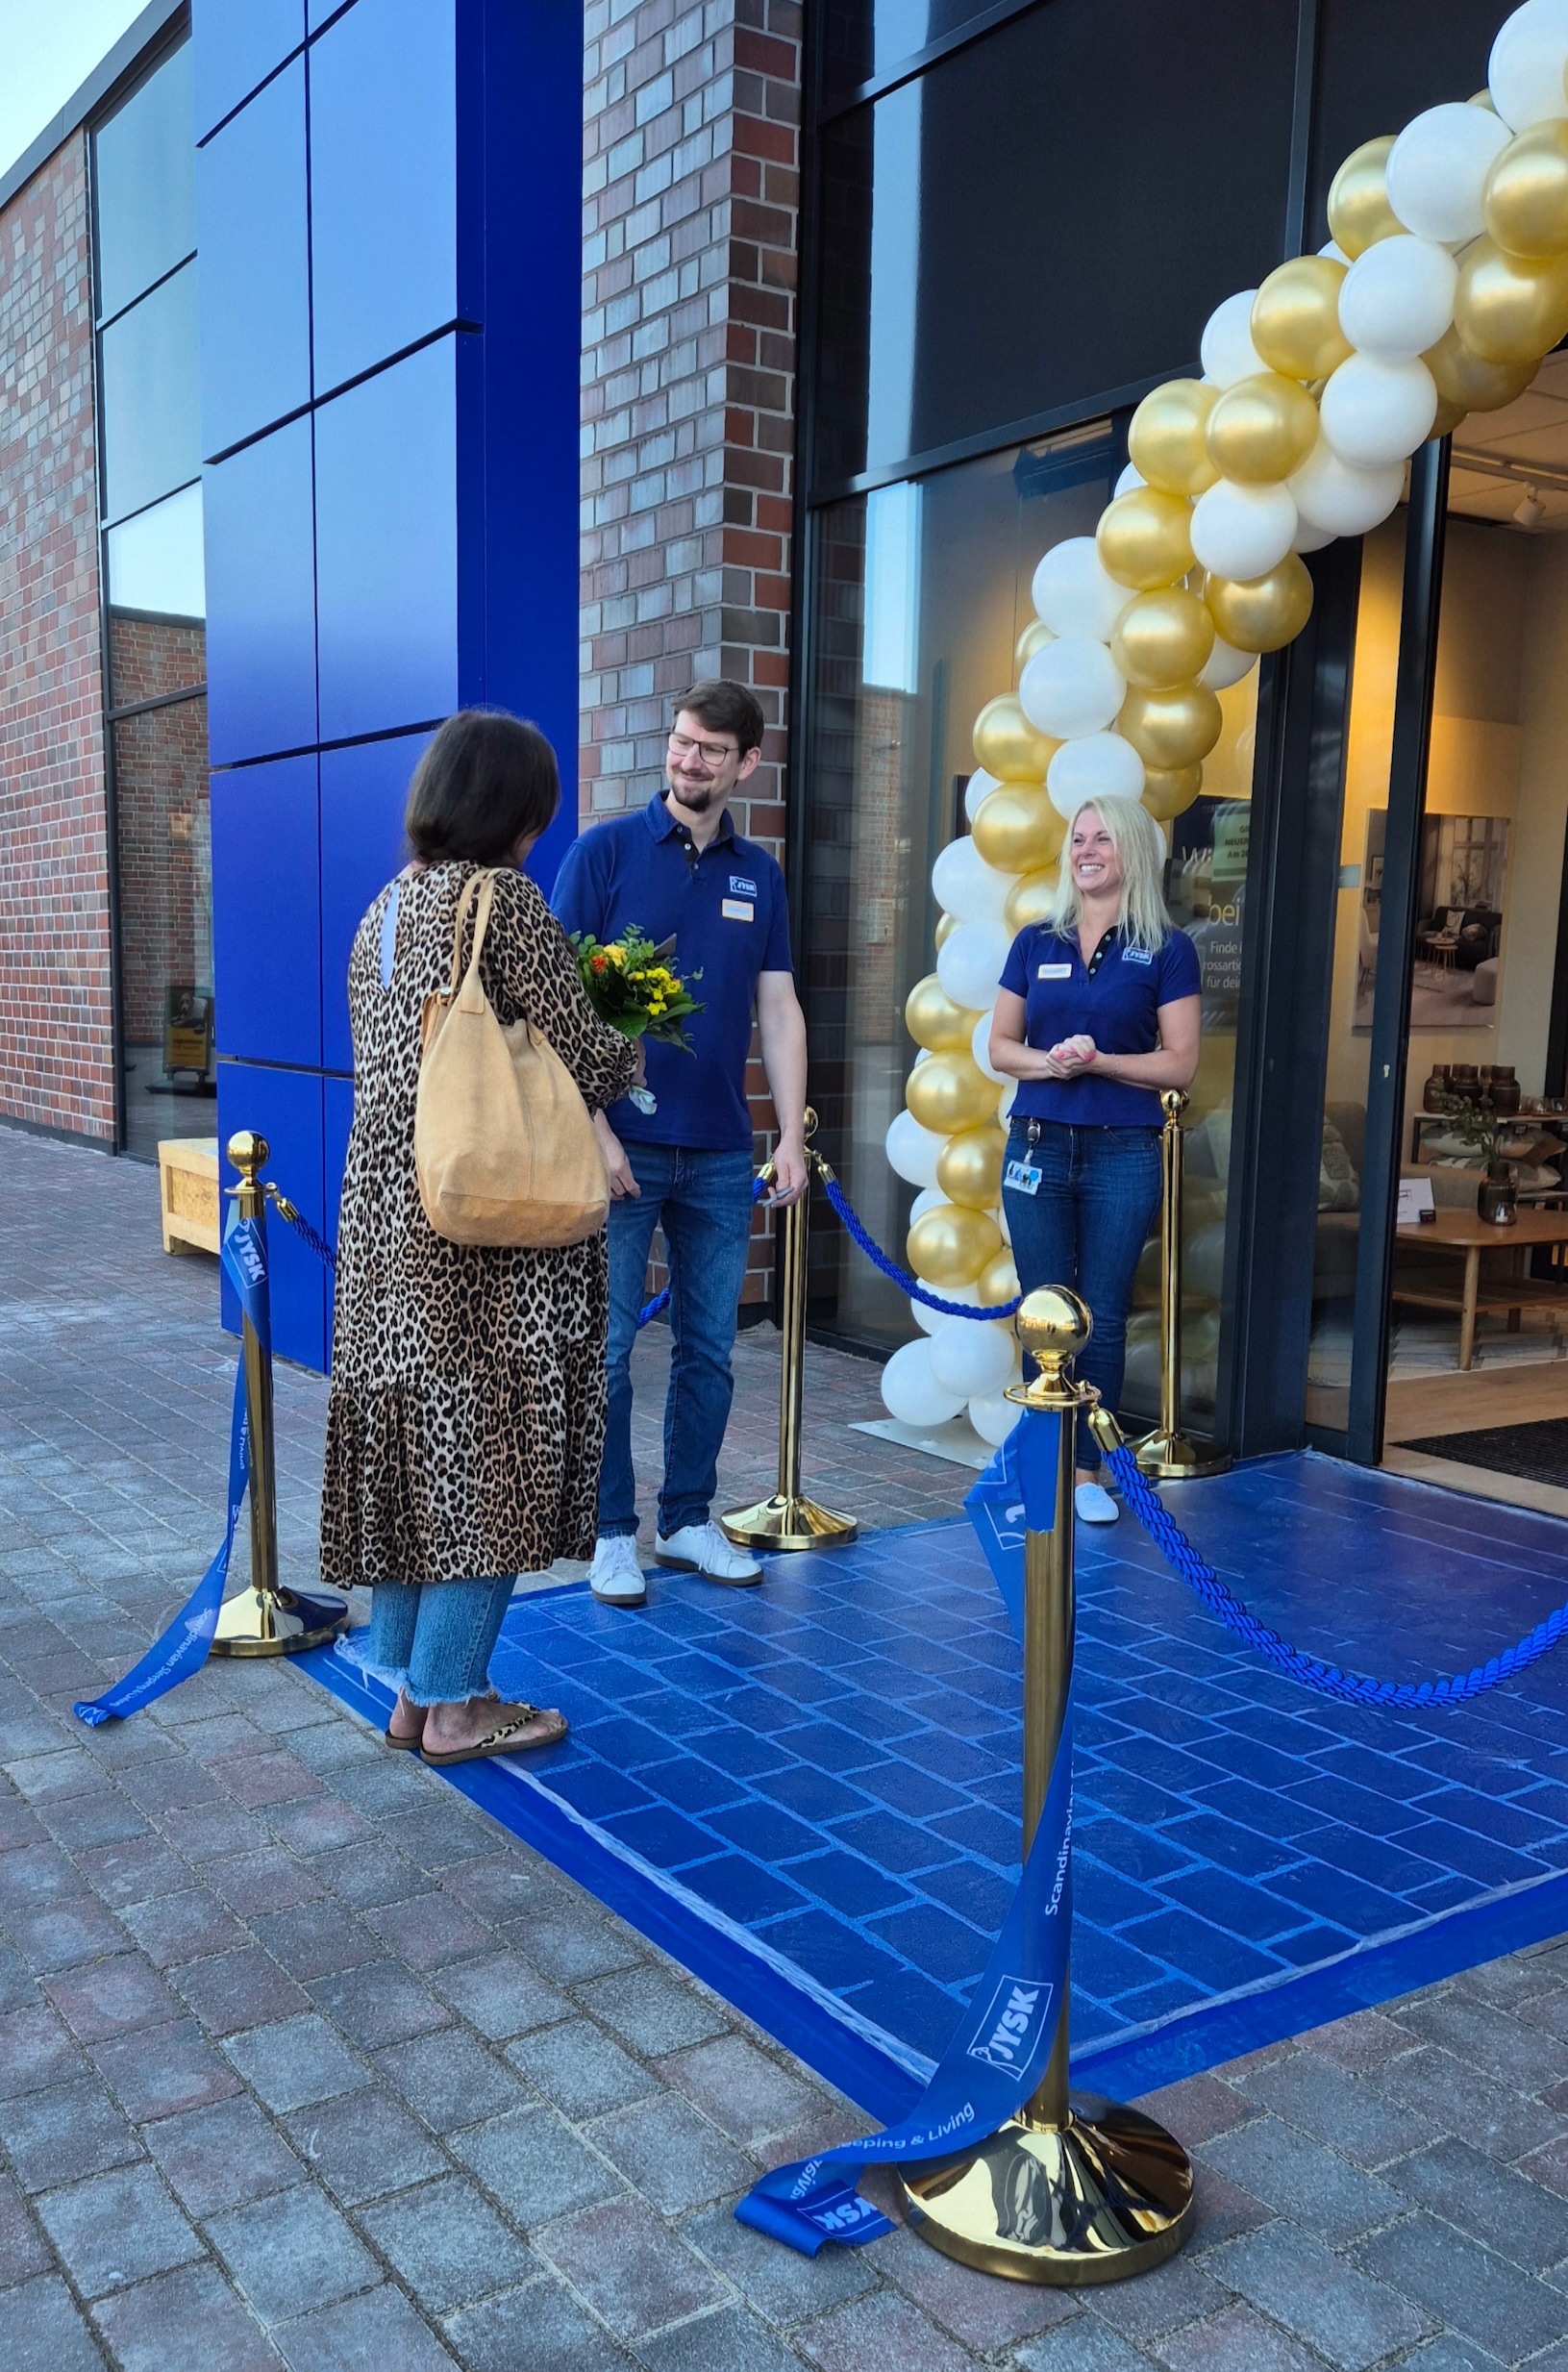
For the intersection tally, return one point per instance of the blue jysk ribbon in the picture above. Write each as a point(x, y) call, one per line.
point(182, 1648)
point(1005, 2038)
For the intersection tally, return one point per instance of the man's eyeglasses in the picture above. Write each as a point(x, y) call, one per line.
point(711, 753)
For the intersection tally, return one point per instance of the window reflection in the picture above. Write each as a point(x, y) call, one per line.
point(866, 38)
point(149, 389)
point(155, 561)
point(144, 177)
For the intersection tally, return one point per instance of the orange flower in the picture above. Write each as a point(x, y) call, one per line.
point(600, 963)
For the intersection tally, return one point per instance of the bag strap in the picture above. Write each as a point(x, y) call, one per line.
point(473, 992)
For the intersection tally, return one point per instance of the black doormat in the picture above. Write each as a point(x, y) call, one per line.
point(1539, 1453)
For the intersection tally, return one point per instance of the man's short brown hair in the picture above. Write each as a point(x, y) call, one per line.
point(725, 705)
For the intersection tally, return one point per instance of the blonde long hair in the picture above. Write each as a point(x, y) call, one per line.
point(1140, 851)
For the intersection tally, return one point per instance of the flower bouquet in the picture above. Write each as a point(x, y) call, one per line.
point(631, 986)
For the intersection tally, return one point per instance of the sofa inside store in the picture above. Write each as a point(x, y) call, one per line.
point(1490, 1380)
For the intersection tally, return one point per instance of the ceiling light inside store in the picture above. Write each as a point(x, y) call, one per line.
point(1532, 510)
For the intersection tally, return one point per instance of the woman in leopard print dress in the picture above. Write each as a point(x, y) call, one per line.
point(466, 1416)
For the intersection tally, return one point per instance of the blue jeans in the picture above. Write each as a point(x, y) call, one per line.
point(704, 1202)
point(433, 1640)
point(1099, 1193)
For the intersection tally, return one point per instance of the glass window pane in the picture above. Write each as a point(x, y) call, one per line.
point(865, 37)
point(150, 393)
point(155, 561)
point(144, 166)
point(165, 904)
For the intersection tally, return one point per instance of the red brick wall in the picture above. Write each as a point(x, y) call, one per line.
point(56, 1046)
point(691, 189)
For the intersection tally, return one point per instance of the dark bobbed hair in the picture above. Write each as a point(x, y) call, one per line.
point(486, 778)
point(724, 706)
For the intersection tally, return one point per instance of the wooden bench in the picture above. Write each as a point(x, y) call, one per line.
point(188, 1182)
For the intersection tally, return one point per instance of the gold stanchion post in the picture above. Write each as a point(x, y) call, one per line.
point(266, 1619)
point(1168, 1454)
point(788, 1520)
point(1074, 2189)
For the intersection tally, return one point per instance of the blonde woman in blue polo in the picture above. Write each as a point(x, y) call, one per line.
point(1099, 1009)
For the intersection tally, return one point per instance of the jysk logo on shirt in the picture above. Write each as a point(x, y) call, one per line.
point(1136, 955)
point(741, 888)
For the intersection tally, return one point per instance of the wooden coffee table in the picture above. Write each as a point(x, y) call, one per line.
point(1462, 1234)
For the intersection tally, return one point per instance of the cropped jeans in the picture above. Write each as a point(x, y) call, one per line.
point(433, 1640)
point(704, 1202)
point(1086, 1228)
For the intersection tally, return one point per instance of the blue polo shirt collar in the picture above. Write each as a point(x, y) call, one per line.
point(664, 827)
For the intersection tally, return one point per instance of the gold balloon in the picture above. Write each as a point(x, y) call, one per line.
point(946, 925)
point(1481, 98)
point(1262, 429)
point(1359, 214)
point(951, 1091)
point(1464, 380)
point(1165, 441)
point(997, 1283)
point(953, 1246)
point(1265, 613)
point(1170, 790)
point(1035, 638)
point(1007, 745)
point(932, 1019)
point(1144, 538)
point(1163, 637)
point(1034, 898)
point(1527, 192)
point(1510, 309)
point(1172, 728)
point(969, 1167)
point(1446, 418)
point(1295, 318)
point(1017, 828)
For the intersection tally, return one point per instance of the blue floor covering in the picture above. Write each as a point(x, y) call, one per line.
point(808, 1793)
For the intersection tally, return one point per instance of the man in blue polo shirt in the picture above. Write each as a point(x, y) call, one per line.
point(677, 870)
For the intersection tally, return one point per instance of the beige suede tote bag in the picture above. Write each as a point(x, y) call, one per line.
point(503, 1144)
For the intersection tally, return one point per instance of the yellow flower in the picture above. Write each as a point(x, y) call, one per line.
point(617, 956)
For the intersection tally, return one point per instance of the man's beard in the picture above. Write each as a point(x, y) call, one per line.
point(697, 797)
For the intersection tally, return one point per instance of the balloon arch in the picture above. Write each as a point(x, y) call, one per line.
point(1443, 287)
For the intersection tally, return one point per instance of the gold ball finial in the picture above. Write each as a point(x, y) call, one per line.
point(1173, 1103)
point(248, 1153)
point(1052, 1325)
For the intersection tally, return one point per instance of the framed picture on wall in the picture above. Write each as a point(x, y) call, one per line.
point(1458, 929)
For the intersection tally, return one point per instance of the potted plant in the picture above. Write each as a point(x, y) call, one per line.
point(1483, 1127)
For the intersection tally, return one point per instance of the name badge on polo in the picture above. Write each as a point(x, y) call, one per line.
point(738, 910)
point(1056, 971)
point(1136, 955)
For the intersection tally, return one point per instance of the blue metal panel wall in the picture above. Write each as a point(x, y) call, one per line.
point(390, 244)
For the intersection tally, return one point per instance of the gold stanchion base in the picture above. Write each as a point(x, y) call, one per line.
point(1172, 1458)
point(253, 1624)
point(1104, 2196)
point(787, 1521)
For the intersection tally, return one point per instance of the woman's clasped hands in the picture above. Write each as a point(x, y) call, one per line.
point(1071, 1057)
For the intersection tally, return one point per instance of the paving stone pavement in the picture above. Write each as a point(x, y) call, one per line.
point(304, 2061)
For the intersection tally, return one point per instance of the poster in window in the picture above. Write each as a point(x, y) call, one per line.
point(1206, 891)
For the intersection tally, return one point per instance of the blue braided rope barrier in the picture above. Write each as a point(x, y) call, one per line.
point(1350, 1687)
point(890, 1268)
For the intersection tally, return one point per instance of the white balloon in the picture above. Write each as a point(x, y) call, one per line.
point(1102, 766)
point(911, 1393)
point(933, 1320)
point(972, 1356)
point(966, 886)
point(913, 1150)
point(1072, 687)
point(1227, 350)
point(1438, 170)
point(1227, 665)
point(978, 790)
point(1311, 538)
point(1397, 299)
point(1242, 530)
point(1376, 413)
point(1334, 252)
point(1128, 480)
point(980, 1048)
point(1343, 501)
point(969, 966)
point(1525, 71)
point(928, 1198)
point(993, 1417)
point(1073, 595)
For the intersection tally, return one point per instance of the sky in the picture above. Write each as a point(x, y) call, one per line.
point(48, 50)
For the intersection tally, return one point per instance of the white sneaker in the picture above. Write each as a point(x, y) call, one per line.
point(615, 1577)
point(1095, 1503)
point(702, 1548)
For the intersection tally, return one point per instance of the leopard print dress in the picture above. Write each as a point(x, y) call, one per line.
point(466, 1417)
